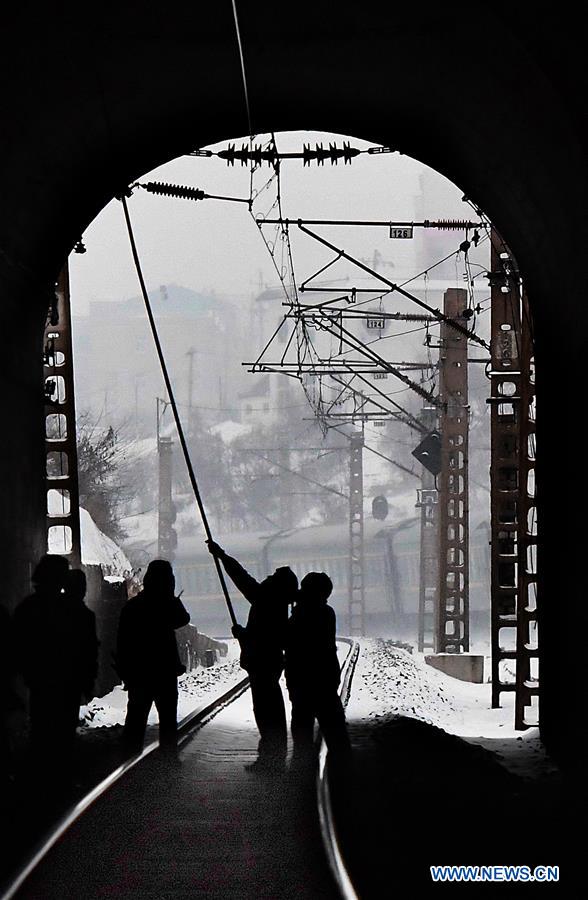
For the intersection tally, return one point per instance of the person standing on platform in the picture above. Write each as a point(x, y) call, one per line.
point(313, 672)
point(147, 657)
point(262, 643)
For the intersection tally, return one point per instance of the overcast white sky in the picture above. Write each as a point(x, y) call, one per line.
point(213, 245)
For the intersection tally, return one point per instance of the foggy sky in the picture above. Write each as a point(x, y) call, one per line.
point(214, 245)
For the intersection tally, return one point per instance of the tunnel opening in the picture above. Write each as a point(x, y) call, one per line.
point(291, 504)
point(508, 170)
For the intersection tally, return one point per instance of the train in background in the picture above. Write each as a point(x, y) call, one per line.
point(391, 567)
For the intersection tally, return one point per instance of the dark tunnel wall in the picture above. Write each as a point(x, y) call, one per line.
point(492, 97)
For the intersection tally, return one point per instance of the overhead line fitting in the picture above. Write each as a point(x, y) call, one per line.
point(440, 224)
point(184, 192)
point(258, 154)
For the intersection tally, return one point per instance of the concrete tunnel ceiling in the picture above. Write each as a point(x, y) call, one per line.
point(484, 96)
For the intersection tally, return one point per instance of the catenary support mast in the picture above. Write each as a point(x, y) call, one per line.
point(453, 624)
point(61, 458)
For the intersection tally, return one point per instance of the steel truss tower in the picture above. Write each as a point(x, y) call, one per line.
point(427, 502)
point(452, 632)
point(356, 554)
point(512, 471)
point(61, 456)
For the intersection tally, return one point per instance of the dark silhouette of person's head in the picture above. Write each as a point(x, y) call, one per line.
point(316, 586)
point(284, 582)
point(50, 574)
point(159, 577)
point(76, 584)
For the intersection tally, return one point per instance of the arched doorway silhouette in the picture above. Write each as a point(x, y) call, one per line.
point(481, 96)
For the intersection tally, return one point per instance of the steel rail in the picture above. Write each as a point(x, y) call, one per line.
point(325, 808)
point(186, 727)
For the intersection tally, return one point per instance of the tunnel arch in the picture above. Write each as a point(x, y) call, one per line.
point(480, 96)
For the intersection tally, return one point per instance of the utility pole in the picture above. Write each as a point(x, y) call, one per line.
point(527, 677)
point(453, 620)
point(190, 354)
point(286, 499)
point(513, 518)
point(166, 535)
point(356, 603)
point(427, 502)
point(61, 455)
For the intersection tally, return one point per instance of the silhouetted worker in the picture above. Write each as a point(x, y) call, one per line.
point(147, 657)
point(262, 643)
point(86, 644)
point(312, 670)
point(57, 648)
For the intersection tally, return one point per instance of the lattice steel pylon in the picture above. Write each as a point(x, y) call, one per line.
point(427, 502)
point(453, 629)
point(356, 603)
point(61, 456)
point(514, 523)
point(527, 676)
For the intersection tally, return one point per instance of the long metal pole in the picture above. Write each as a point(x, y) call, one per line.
point(172, 401)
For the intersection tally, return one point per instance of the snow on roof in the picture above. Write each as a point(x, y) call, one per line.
point(230, 430)
point(100, 550)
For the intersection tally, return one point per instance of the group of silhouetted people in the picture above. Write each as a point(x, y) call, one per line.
point(51, 641)
point(303, 645)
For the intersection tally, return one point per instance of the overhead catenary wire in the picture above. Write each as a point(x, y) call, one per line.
point(242, 61)
point(173, 405)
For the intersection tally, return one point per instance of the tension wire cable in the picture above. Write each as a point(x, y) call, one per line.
point(174, 407)
point(242, 60)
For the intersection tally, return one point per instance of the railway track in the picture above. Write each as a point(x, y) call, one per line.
point(131, 835)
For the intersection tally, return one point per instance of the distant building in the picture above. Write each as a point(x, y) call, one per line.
point(255, 403)
point(117, 370)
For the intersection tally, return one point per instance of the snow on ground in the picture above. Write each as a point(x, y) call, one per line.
point(230, 430)
point(390, 681)
point(195, 687)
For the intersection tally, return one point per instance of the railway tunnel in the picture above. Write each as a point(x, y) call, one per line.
point(491, 98)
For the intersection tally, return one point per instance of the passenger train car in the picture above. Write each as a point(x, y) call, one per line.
point(391, 573)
